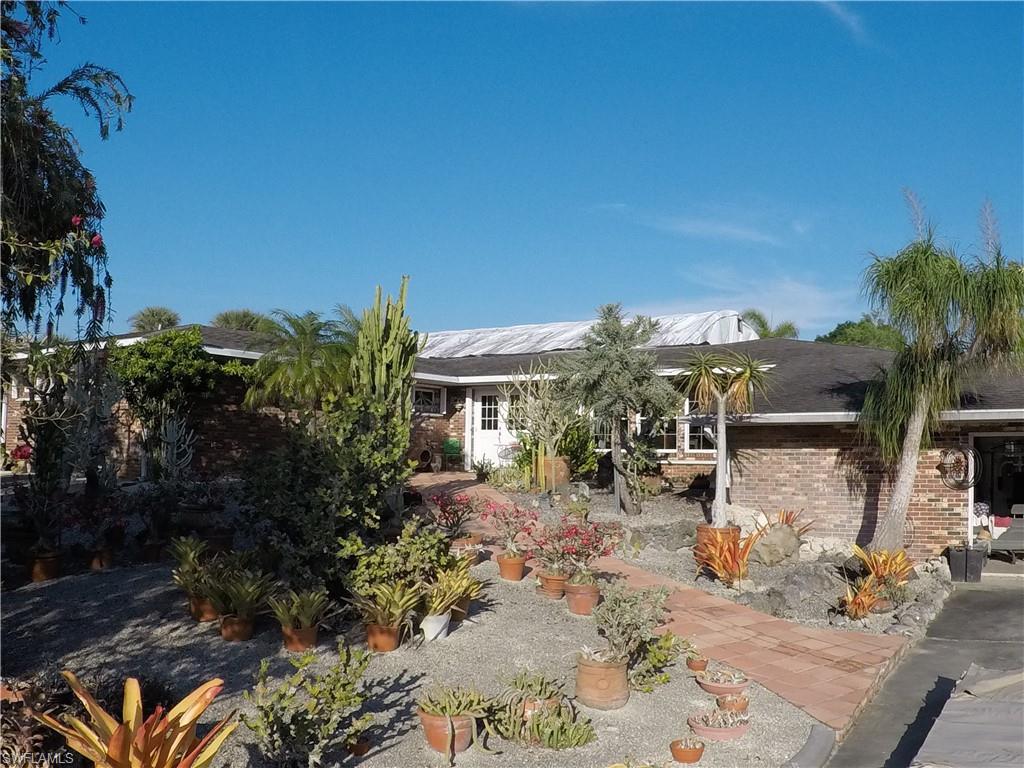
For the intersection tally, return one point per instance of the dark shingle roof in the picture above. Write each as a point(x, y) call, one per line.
point(808, 376)
point(220, 338)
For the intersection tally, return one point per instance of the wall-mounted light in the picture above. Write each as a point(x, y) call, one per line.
point(459, 405)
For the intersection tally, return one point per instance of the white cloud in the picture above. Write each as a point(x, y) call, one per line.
point(815, 308)
point(853, 22)
point(716, 229)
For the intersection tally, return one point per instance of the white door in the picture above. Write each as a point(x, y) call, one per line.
point(491, 435)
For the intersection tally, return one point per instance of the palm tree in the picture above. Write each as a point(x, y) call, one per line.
point(309, 357)
point(149, 319)
point(960, 321)
point(238, 319)
point(757, 320)
point(722, 384)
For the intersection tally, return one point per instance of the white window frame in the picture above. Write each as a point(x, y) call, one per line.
point(638, 425)
point(442, 395)
point(686, 435)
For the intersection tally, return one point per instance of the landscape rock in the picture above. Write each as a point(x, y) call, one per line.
point(807, 580)
point(772, 601)
point(780, 544)
point(746, 518)
point(669, 536)
point(579, 491)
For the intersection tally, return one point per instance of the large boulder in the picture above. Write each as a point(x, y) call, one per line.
point(809, 581)
point(669, 536)
point(772, 601)
point(778, 545)
point(746, 518)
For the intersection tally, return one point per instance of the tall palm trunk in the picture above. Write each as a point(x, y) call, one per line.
point(623, 501)
point(889, 531)
point(718, 515)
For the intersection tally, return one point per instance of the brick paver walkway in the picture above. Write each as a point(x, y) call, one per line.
point(828, 673)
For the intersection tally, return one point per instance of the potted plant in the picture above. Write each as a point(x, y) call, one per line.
point(627, 620)
point(95, 522)
point(387, 610)
point(583, 545)
point(483, 469)
point(192, 575)
point(527, 693)
point(452, 717)
point(441, 596)
point(452, 515)
point(467, 587)
point(722, 681)
point(300, 615)
point(733, 702)
point(238, 597)
point(550, 548)
point(687, 751)
point(717, 725)
point(45, 516)
point(695, 660)
point(512, 523)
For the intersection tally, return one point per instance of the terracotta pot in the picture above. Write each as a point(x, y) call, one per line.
point(381, 639)
point(299, 639)
point(582, 598)
point(201, 609)
point(234, 629)
point(461, 609)
point(718, 734)
point(733, 703)
point(101, 559)
point(722, 689)
point(358, 748)
point(552, 585)
point(601, 685)
point(472, 540)
point(697, 665)
point(531, 706)
point(45, 567)
point(705, 533)
point(511, 568)
point(439, 731)
point(683, 754)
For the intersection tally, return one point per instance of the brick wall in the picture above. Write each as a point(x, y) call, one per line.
point(826, 472)
point(429, 431)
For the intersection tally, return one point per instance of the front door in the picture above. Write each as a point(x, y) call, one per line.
point(491, 436)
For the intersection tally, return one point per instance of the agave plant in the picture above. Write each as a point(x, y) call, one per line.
point(162, 740)
point(301, 610)
point(726, 557)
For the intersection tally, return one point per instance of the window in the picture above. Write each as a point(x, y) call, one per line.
point(665, 437)
point(601, 429)
point(488, 413)
point(700, 433)
point(427, 400)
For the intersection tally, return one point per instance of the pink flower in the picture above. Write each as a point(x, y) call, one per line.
point(97, 241)
point(76, 220)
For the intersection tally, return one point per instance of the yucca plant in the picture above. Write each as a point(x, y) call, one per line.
point(389, 605)
point(241, 594)
point(860, 598)
point(301, 610)
point(162, 740)
point(889, 566)
point(726, 557)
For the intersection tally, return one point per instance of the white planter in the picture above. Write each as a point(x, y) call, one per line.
point(435, 627)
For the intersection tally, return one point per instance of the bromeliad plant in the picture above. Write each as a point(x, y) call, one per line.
point(726, 557)
point(453, 513)
point(886, 566)
point(241, 594)
point(512, 523)
point(792, 519)
point(860, 598)
point(301, 610)
point(162, 740)
point(389, 605)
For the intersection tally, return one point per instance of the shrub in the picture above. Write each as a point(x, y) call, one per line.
point(512, 523)
point(652, 660)
point(452, 513)
point(585, 543)
point(627, 619)
point(299, 721)
point(415, 557)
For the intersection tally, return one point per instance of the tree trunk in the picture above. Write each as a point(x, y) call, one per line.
point(623, 501)
point(718, 515)
point(889, 530)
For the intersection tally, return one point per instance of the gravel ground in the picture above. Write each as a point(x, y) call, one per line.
point(132, 621)
point(813, 607)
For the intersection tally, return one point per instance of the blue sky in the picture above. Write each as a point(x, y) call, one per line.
point(529, 162)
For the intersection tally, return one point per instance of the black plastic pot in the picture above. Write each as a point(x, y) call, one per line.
point(957, 563)
point(975, 563)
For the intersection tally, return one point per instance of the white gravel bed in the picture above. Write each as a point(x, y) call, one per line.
point(132, 621)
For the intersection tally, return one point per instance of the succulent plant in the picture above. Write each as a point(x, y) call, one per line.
point(722, 676)
point(717, 718)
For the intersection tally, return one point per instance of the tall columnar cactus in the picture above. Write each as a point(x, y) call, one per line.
point(385, 353)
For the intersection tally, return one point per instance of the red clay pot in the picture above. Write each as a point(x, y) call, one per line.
point(732, 702)
point(600, 684)
point(201, 609)
point(582, 598)
point(45, 567)
point(722, 689)
point(552, 585)
point(683, 754)
point(531, 706)
point(439, 729)
point(101, 559)
point(235, 630)
point(381, 639)
point(472, 540)
point(511, 568)
point(299, 639)
point(697, 665)
point(718, 734)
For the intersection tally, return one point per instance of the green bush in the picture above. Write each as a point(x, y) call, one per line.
point(416, 556)
point(653, 659)
point(451, 447)
point(308, 714)
point(577, 446)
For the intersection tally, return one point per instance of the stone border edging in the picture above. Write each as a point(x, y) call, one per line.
point(816, 750)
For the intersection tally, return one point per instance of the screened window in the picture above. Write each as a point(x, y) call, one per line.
point(601, 429)
point(700, 433)
point(426, 399)
point(489, 413)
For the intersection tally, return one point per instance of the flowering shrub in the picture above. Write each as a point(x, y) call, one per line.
point(571, 547)
point(511, 521)
point(22, 453)
point(453, 512)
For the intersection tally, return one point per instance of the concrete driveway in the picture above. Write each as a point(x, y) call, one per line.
point(983, 623)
